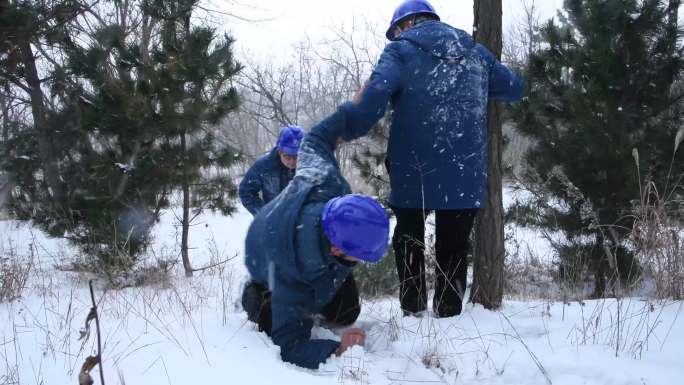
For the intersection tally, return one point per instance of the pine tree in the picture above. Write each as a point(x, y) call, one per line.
point(119, 174)
point(197, 93)
point(129, 125)
point(23, 24)
point(600, 96)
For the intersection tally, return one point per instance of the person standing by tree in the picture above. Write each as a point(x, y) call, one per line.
point(438, 80)
point(270, 174)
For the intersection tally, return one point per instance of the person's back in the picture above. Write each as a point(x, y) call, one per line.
point(439, 82)
point(437, 134)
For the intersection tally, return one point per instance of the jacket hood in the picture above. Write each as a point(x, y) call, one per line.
point(439, 39)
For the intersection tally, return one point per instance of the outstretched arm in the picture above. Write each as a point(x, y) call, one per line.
point(504, 84)
point(371, 104)
point(292, 333)
point(316, 163)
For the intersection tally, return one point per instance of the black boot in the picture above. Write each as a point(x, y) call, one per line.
point(256, 301)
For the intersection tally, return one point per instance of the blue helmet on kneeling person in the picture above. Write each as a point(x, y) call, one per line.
point(358, 225)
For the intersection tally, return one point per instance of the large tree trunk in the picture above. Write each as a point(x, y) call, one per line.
point(38, 109)
point(488, 263)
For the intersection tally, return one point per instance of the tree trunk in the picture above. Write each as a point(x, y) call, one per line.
point(186, 181)
point(38, 109)
point(4, 180)
point(488, 264)
point(186, 210)
point(147, 27)
point(5, 107)
point(673, 8)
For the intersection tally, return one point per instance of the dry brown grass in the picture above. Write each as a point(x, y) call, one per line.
point(658, 236)
point(14, 274)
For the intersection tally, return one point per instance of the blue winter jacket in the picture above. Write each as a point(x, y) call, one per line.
point(286, 248)
point(267, 176)
point(438, 82)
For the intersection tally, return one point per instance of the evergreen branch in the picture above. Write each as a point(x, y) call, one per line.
point(96, 16)
point(83, 8)
point(675, 100)
point(47, 57)
point(15, 80)
point(172, 16)
point(217, 89)
point(229, 14)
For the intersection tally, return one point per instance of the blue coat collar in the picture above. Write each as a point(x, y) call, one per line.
point(439, 39)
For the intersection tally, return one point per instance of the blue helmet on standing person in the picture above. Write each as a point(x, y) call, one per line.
point(406, 9)
point(289, 139)
point(358, 225)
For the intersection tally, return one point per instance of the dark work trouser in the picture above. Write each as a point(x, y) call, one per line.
point(343, 309)
point(452, 235)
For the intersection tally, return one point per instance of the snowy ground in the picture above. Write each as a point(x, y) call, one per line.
point(189, 331)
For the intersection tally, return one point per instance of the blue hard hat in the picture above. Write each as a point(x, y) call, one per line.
point(409, 8)
point(289, 139)
point(358, 225)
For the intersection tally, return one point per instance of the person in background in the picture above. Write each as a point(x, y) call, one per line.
point(438, 81)
point(269, 175)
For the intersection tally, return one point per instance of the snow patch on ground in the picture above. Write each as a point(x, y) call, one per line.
point(189, 331)
point(186, 333)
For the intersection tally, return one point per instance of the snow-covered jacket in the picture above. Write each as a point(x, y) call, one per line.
point(267, 176)
point(287, 251)
point(438, 80)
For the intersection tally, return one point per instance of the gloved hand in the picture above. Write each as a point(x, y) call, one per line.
point(351, 337)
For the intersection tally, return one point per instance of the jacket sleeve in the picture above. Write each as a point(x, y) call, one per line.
point(323, 136)
point(504, 85)
point(384, 82)
point(249, 189)
point(316, 163)
point(326, 283)
point(292, 323)
point(296, 345)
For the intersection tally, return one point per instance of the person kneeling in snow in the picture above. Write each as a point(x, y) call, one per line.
point(301, 247)
point(269, 175)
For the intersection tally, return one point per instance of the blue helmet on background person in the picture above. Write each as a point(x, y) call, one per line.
point(289, 139)
point(407, 9)
point(358, 225)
